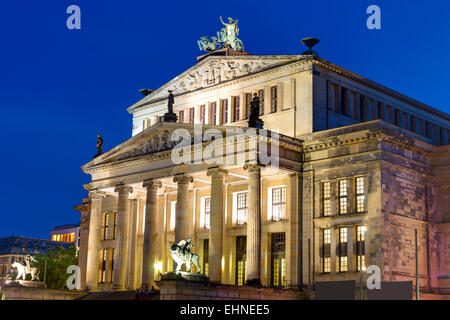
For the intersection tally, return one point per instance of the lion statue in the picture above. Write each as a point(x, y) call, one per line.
point(181, 254)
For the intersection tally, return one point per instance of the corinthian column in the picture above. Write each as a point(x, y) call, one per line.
point(181, 214)
point(253, 224)
point(148, 270)
point(216, 223)
point(93, 253)
point(120, 259)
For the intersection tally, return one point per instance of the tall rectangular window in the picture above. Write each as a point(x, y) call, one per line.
point(106, 217)
point(273, 99)
point(224, 107)
point(278, 259)
point(360, 196)
point(181, 116)
point(248, 99)
point(112, 251)
point(202, 114)
point(241, 252)
point(102, 275)
point(343, 267)
point(360, 248)
point(114, 226)
point(173, 208)
point(242, 208)
point(206, 257)
point(191, 115)
point(343, 197)
point(207, 211)
point(236, 108)
point(326, 251)
point(326, 199)
point(279, 204)
point(261, 101)
point(213, 114)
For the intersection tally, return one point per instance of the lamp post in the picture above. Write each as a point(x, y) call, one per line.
point(361, 267)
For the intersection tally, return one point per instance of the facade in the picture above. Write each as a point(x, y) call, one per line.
point(66, 233)
point(359, 168)
point(15, 248)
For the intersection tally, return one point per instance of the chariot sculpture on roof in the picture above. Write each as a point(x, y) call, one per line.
point(226, 38)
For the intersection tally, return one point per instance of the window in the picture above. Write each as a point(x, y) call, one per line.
point(236, 107)
point(102, 275)
point(343, 209)
point(326, 199)
point(326, 251)
point(241, 250)
point(114, 226)
point(173, 209)
point(112, 265)
point(224, 111)
point(420, 127)
point(360, 197)
point(278, 255)
point(206, 257)
point(360, 248)
point(248, 99)
point(273, 99)
point(106, 226)
point(206, 212)
point(191, 115)
point(362, 108)
point(213, 113)
point(242, 209)
point(202, 114)
point(181, 116)
point(261, 101)
point(343, 267)
point(279, 204)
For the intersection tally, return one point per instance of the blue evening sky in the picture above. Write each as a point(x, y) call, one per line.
point(60, 87)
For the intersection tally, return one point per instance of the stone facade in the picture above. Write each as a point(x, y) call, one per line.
point(359, 168)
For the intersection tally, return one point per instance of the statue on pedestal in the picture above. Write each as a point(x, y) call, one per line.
point(99, 145)
point(181, 254)
point(170, 116)
point(23, 270)
point(253, 120)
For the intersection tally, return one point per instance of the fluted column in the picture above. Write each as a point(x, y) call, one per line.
point(253, 224)
point(151, 208)
point(217, 207)
point(120, 260)
point(93, 253)
point(181, 214)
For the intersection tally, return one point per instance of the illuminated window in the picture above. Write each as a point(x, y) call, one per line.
point(114, 225)
point(360, 197)
point(360, 248)
point(278, 259)
point(326, 199)
point(206, 257)
point(236, 107)
point(191, 115)
point(213, 113)
point(278, 204)
point(173, 208)
point(102, 274)
point(261, 101)
point(343, 249)
point(273, 99)
point(207, 212)
point(224, 107)
point(325, 251)
point(242, 208)
point(241, 249)
point(106, 217)
point(343, 185)
point(54, 237)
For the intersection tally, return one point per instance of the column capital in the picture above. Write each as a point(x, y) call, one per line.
point(151, 183)
point(183, 179)
point(122, 188)
point(96, 194)
point(216, 172)
point(253, 167)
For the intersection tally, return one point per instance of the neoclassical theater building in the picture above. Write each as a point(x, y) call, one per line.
point(359, 169)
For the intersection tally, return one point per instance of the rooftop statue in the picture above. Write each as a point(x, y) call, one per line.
point(181, 254)
point(226, 38)
point(99, 145)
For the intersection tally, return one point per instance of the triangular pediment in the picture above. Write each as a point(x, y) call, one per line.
point(214, 70)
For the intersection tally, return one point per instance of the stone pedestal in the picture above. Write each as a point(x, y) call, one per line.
point(170, 117)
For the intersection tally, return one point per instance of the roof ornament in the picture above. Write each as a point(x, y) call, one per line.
point(310, 42)
point(226, 38)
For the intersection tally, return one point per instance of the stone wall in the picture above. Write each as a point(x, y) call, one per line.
point(40, 294)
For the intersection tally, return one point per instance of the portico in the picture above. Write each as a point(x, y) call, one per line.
point(156, 203)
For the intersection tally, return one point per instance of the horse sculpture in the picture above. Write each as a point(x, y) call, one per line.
point(181, 254)
point(22, 271)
